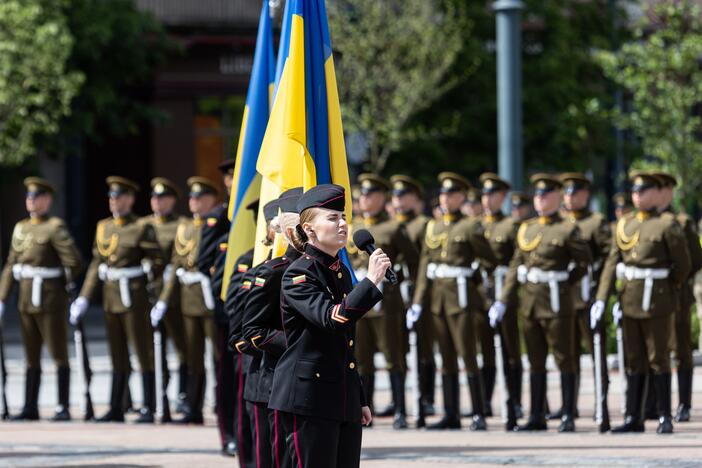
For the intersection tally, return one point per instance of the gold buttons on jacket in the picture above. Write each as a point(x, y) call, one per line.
point(350, 343)
point(352, 365)
point(317, 375)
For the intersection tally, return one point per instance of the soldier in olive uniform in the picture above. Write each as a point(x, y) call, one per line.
point(407, 196)
point(595, 230)
point(122, 243)
point(681, 341)
point(448, 277)
point(195, 290)
point(43, 259)
point(649, 254)
point(546, 247)
point(501, 232)
point(384, 326)
point(165, 220)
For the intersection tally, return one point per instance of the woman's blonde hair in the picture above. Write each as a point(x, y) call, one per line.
point(299, 238)
point(287, 221)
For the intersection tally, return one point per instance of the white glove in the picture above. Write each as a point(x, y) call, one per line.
point(596, 312)
point(413, 314)
point(2, 309)
point(78, 309)
point(157, 313)
point(617, 313)
point(496, 312)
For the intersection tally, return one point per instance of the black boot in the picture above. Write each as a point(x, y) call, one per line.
point(510, 382)
point(116, 411)
point(427, 379)
point(451, 419)
point(127, 403)
point(517, 397)
point(182, 389)
point(30, 411)
point(477, 398)
point(568, 386)
point(196, 393)
point(537, 419)
point(650, 410)
point(390, 408)
point(684, 395)
point(397, 382)
point(633, 421)
point(64, 379)
point(146, 413)
point(488, 377)
point(663, 394)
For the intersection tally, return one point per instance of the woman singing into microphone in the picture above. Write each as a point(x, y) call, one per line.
point(316, 388)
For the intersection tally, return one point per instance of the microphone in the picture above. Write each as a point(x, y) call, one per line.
point(364, 241)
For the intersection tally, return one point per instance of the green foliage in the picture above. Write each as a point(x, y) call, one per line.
point(563, 91)
point(394, 58)
point(117, 48)
point(36, 87)
point(661, 69)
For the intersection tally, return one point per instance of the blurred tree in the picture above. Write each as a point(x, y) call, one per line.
point(660, 68)
point(394, 57)
point(117, 48)
point(36, 86)
point(564, 91)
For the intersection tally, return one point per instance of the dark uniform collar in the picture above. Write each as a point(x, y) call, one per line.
point(38, 219)
point(643, 215)
point(166, 218)
point(333, 263)
point(493, 217)
point(122, 220)
point(405, 217)
point(291, 253)
point(370, 220)
point(576, 215)
point(549, 219)
point(449, 218)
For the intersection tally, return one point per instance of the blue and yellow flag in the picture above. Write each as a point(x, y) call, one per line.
point(304, 140)
point(246, 182)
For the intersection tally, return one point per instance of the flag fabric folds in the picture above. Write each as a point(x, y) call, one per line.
point(246, 182)
point(304, 140)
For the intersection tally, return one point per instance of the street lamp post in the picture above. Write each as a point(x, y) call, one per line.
point(509, 90)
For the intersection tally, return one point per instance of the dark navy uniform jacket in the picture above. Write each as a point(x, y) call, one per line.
point(263, 324)
point(316, 375)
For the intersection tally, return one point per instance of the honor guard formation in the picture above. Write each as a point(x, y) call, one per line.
point(294, 345)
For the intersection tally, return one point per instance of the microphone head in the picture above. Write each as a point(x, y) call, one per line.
point(362, 238)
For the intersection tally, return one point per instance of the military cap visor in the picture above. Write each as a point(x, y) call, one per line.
point(370, 183)
point(520, 199)
point(329, 196)
point(491, 183)
point(288, 200)
point(402, 185)
point(544, 183)
point(37, 186)
point(643, 182)
point(201, 186)
point(452, 182)
point(120, 186)
point(161, 187)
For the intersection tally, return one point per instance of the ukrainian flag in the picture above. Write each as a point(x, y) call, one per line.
point(304, 141)
point(246, 182)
